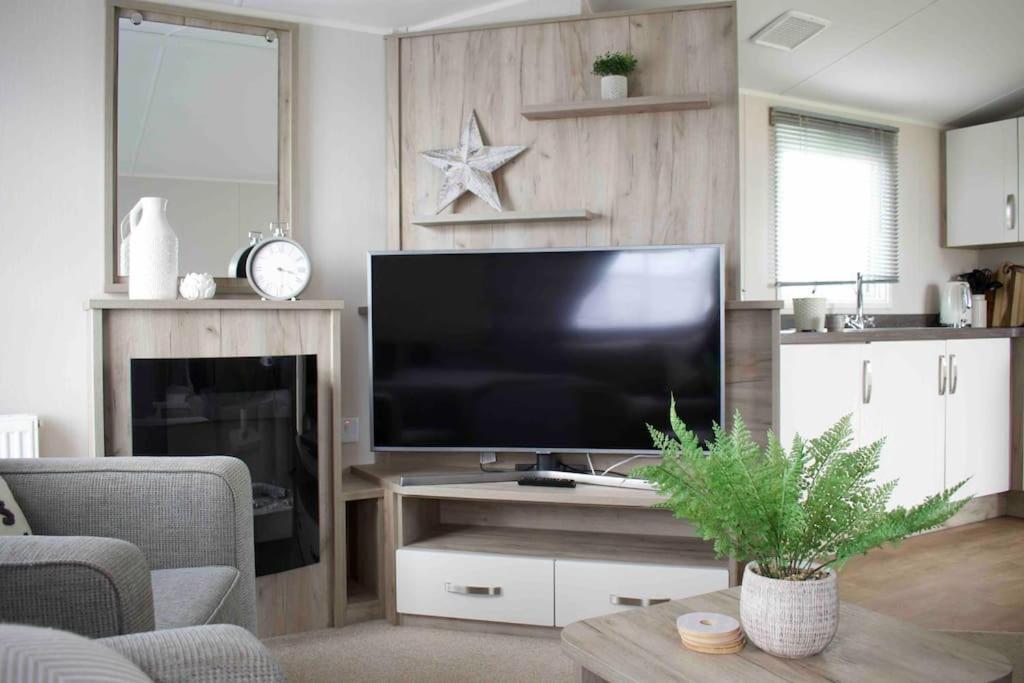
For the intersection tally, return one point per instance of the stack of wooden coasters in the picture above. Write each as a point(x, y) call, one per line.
point(710, 633)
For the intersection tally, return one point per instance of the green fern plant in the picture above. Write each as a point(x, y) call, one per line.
point(614, 64)
point(795, 514)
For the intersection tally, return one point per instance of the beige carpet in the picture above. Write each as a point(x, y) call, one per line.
point(377, 651)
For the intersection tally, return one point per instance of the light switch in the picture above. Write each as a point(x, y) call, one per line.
point(350, 430)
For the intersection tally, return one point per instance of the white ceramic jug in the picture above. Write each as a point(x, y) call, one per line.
point(152, 252)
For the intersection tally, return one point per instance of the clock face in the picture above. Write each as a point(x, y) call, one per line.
point(279, 269)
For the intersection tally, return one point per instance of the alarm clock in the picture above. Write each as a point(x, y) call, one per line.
point(278, 268)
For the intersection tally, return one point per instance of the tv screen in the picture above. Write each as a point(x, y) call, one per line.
point(550, 350)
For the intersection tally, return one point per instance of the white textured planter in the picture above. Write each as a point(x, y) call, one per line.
point(614, 87)
point(789, 619)
point(809, 313)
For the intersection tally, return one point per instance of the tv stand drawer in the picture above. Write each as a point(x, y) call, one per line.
point(585, 589)
point(485, 587)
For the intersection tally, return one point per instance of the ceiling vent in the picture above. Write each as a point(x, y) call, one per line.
point(790, 30)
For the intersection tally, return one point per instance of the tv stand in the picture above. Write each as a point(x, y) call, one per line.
point(558, 555)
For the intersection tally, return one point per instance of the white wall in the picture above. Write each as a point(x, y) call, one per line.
point(340, 195)
point(51, 210)
point(52, 186)
point(924, 264)
point(993, 258)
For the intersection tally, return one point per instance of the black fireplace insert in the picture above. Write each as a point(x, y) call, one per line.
point(261, 410)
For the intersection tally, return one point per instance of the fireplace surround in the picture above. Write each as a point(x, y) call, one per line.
point(309, 597)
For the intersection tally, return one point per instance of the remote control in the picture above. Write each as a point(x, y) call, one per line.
point(538, 481)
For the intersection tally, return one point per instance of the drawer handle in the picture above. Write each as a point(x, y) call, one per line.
point(490, 591)
point(635, 602)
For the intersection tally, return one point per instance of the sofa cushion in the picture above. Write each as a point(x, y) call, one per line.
point(12, 519)
point(29, 654)
point(191, 596)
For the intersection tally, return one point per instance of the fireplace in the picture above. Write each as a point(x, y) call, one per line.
point(261, 410)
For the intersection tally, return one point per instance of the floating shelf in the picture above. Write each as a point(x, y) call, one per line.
point(504, 217)
point(629, 105)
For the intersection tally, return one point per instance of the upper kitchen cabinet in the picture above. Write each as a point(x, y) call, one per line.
point(984, 172)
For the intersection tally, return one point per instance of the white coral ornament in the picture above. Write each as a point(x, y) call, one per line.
point(197, 286)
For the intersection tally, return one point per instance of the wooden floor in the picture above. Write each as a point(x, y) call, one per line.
point(970, 578)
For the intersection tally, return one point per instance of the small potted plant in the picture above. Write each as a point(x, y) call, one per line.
point(613, 68)
point(796, 516)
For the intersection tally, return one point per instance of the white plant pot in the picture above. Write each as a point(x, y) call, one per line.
point(809, 313)
point(979, 311)
point(152, 252)
point(790, 619)
point(614, 87)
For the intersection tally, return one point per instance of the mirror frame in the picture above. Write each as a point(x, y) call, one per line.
point(237, 23)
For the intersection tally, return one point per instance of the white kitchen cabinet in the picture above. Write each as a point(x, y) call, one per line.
point(978, 415)
point(943, 407)
point(819, 383)
point(983, 184)
point(906, 406)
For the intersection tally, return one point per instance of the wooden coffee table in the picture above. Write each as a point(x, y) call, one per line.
point(643, 645)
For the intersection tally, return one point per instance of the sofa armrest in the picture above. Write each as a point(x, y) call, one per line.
point(95, 587)
point(220, 652)
point(181, 512)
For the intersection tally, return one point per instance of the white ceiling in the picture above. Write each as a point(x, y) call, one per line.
point(386, 16)
point(934, 60)
point(938, 61)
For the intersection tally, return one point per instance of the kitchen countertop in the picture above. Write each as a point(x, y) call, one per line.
point(898, 334)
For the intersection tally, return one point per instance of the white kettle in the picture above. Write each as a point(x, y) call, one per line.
point(955, 305)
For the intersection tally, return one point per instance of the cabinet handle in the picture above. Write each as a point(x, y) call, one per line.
point(488, 591)
point(942, 375)
point(635, 602)
point(866, 384)
point(953, 374)
point(1011, 211)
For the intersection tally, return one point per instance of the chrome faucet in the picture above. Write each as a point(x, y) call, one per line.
point(859, 321)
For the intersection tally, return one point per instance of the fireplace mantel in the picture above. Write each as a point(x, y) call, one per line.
point(249, 304)
point(308, 598)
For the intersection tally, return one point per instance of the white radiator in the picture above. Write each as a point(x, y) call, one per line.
point(19, 436)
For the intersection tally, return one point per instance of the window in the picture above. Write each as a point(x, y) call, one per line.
point(835, 198)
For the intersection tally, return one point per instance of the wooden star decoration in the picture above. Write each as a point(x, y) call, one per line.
point(470, 166)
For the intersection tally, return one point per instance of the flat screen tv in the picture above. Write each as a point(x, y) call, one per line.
point(556, 350)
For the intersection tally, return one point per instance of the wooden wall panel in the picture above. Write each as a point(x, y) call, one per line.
point(659, 178)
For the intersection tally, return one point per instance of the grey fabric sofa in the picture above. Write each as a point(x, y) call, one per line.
point(200, 654)
point(129, 545)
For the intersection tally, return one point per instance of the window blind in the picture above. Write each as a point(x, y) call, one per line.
point(835, 194)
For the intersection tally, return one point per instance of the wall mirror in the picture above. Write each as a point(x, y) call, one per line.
point(200, 108)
